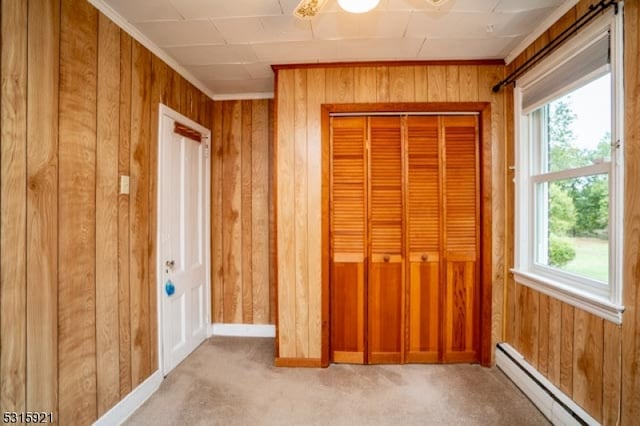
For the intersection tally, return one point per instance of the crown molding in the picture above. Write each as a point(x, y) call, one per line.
point(125, 25)
point(242, 96)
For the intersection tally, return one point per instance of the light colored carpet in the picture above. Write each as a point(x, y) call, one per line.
point(232, 381)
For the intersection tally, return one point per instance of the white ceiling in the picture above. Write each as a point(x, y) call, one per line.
point(230, 45)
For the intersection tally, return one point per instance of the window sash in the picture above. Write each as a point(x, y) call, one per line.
point(594, 169)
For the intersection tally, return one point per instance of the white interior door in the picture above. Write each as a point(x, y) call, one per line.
point(184, 236)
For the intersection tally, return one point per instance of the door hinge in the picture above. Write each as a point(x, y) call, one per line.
point(206, 150)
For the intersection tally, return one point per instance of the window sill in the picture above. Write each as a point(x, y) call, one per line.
point(582, 300)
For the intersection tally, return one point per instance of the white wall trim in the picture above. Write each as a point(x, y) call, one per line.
point(540, 29)
point(125, 408)
point(120, 21)
point(242, 96)
point(540, 393)
point(242, 330)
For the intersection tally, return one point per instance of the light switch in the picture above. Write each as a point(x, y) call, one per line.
point(124, 184)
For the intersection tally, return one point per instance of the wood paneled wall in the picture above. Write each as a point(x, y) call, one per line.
point(593, 361)
point(241, 200)
point(77, 280)
point(300, 94)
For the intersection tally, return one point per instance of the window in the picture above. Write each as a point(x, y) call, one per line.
point(569, 172)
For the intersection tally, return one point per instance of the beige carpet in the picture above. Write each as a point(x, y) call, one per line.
point(232, 381)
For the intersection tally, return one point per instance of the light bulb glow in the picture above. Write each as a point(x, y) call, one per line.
point(358, 6)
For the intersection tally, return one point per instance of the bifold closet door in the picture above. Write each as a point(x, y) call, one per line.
point(461, 236)
point(348, 238)
point(424, 210)
point(386, 291)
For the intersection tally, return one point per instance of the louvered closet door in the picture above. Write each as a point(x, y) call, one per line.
point(348, 238)
point(461, 236)
point(423, 238)
point(386, 272)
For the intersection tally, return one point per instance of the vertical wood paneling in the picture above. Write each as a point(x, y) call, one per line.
point(543, 335)
point(364, 82)
point(611, 368)
point(315, 98)
point(555, 341)
point(340, 85)
point(260, 210)
point(587, 362)
point(437, 84)
point(631, 296)
point(13, 244)
point(231, 210)
point(124, 158)
point(139, 213)
point(285, 217)
point(301, 212)
point(217, 279)
point(42, 206)
point(77, 213)
point(421, 75)
point(566, 351)
point(469, 85)
point(382, 84)
point(453, 83)
point(246, 209)
point(108, 98)
point(272, 218)
point(401, 84)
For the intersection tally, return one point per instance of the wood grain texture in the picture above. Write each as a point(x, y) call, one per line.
point(421, 84)
point(364, 81)
point(437, 81)
point(124, 159)
point(217, 261)
point(231, 211)
point(77, 213)
point(13, 198)
point(42, 206)
point(611, 368)
point(453, 83)
point(315, 98)
point(108, 113)
point(566, 351)
point(260, 211)
point(555, 342)
point(139, 213)
point(587, 362)
point(401, 84)
point(631, 292)
point(246, 208)
point(339, 85)
point(301, 212)
point(285, 164)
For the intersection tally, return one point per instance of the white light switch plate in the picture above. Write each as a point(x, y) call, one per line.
point(124, 184)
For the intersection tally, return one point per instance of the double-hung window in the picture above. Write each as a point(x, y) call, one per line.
point(569, 177)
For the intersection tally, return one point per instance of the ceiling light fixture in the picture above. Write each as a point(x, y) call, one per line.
point(358, 6)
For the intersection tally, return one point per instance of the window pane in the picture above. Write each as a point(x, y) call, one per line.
point(578, 127)
point(572, 221)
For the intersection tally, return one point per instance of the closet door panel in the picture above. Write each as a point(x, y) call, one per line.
point(348, 238)
point(423, 237)
point(461, 236)
point(386, 273)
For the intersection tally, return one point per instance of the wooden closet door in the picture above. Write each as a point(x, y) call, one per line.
point(386, 272)
point(461, 237)
point(423, 238)
point(348, 238)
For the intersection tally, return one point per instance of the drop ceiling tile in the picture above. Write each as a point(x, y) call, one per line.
point(423, 5)
point(261, 85)
point(196, 9)
point(263, 29)
point(144, 10)
point(450, 25)
point(259, 70)
point(291, 52)
point(376, 24)
point(524, 5)
point(473, 5)
point(333, 6)
point(487, 48)
point(208, 73)
point(365, 50)
point(518, 23)
point(177, 33)
point(212, 54)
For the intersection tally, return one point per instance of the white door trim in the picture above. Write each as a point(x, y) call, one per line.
point(163, 111)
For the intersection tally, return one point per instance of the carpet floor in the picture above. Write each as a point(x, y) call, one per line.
point(232, 381)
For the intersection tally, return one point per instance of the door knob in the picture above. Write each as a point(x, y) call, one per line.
point(170, 263)
point(387, 258)
point(424, 257)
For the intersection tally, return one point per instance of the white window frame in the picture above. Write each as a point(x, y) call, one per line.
point(589, 295)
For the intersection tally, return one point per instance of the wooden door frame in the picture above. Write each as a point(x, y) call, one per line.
point(485, 196)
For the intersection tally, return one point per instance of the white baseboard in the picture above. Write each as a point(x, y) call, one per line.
point(125, 408)
point(551, 401)
point(242, 330)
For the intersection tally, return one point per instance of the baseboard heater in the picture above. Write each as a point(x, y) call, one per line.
point(551, 401)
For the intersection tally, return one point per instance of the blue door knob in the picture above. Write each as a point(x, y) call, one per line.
point(169, 288)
